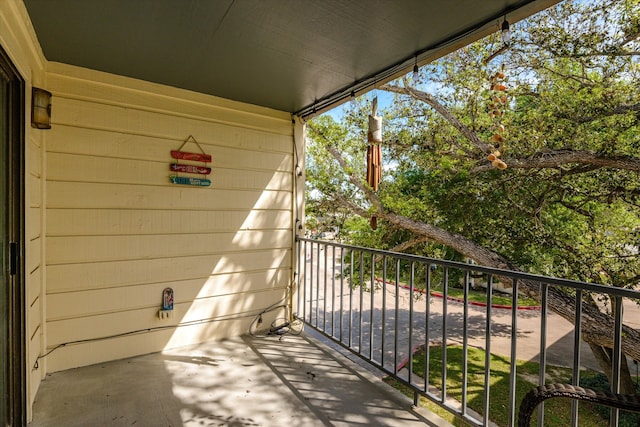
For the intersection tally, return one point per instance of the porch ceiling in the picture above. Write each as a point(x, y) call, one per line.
point(291, 55)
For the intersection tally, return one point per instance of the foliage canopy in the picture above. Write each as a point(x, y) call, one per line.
point(522, 157)
point(569, 202)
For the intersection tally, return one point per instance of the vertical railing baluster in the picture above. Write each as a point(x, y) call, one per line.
point(445, 304)
point(312, 278)
point(544, 293)
point(410, 343)
point(465, 343)
point(351, 286)
point(325, 293)
point(384, 310)
point(360, 302)
point(427, 333)
point(416, 395)
point(317, 302)
point(304, 289)
point(340, 320)
point(575, 377)
point(487, 354)
point(395, 323)
point(371, 304)
point(617, 357)
point(333, 290)
point(513, 371)
point(297, 275)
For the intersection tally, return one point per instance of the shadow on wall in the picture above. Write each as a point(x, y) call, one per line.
point(251, 273)
point(118, 234)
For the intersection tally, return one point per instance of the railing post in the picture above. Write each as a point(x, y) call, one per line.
point(427, 314)
point(543, 346)
point(317, 285)
point(324, 292)
point(351, 284)
point(333, 291)
point(445, 304)
point(577, 332)
point(513, 354)
point(371, 304)
point(617, 355)
point(341, 291)
point(311, 278)
point(410, 343)
point(360, 302)
point(487, 350)
point(395, 323)
point(303, 290)
point(384, 309)
point(465, 343)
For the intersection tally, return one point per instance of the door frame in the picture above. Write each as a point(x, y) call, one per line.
point(17, 413)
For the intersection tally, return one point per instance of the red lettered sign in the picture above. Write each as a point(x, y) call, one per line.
point(196, 157)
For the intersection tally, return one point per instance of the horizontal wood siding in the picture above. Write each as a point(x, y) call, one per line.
point(118, 232)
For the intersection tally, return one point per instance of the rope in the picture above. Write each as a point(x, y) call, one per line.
point(541, 393)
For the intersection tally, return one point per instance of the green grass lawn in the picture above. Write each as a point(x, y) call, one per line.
point(496, 298)
point(475, 295)
point(557, 411)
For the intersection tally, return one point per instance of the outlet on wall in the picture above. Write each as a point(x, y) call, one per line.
point(165, 314)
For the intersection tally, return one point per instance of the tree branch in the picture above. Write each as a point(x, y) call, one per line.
point(409, 243)
point(555, 159)
point(600, 113)
point(368, 192)
point(430, 100)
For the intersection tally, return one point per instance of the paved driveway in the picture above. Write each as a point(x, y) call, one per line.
point(411, 330)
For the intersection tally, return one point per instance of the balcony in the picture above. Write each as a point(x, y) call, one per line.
point(288, 380)
point(366, 312)
point(385, 306)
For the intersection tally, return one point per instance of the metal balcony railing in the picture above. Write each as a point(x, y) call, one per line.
point(383, 305)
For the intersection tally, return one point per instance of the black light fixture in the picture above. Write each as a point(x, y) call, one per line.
point(416, 75)
point(40, 108)
point(506, 32)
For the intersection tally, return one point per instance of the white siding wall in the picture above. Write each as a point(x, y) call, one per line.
point(118, 232)
point(106, 232)
point(18, 40)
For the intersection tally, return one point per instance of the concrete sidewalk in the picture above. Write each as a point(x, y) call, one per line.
point(293, 381)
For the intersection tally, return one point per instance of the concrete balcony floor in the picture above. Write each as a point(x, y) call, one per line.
point(244, 381)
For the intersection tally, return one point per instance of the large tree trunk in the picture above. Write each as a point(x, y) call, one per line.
point(598, 327)
point(604, 357)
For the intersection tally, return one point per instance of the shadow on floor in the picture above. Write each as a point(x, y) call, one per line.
point(242, 381)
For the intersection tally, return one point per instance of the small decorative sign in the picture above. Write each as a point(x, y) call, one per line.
point(196, 157)
point(190, 168)
point(185, 180)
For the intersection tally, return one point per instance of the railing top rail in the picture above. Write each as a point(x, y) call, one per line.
point(593, 287)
